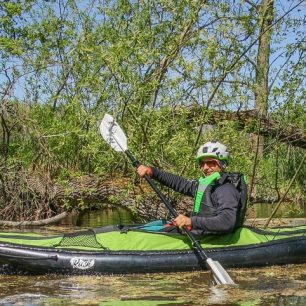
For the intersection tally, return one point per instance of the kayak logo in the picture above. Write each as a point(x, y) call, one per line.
point(82, 263)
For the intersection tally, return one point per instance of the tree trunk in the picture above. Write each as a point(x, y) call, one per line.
point(261, 89)
point(266, 16)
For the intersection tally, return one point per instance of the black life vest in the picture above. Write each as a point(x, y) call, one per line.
point(206, 187)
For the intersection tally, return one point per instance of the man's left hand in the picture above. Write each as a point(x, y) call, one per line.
point(182, 220)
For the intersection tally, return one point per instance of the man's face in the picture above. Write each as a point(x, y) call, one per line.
point(210, 166)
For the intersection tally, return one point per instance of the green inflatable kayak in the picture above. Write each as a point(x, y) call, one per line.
point(146, 248)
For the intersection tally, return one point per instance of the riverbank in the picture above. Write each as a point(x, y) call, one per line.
point(93, 192)
point(260, 222)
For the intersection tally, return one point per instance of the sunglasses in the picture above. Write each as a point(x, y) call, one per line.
point(209, 163)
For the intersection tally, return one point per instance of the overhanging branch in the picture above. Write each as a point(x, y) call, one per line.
point(250, 119)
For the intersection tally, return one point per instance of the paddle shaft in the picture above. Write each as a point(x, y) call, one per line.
point(173, 212)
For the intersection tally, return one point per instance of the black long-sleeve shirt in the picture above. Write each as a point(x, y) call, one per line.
point(224, 198)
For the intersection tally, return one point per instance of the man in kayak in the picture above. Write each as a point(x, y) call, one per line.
point(219, 205)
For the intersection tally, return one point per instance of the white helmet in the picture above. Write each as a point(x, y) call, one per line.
point(213, 149)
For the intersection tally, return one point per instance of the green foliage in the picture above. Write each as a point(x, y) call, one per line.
point(66, 63)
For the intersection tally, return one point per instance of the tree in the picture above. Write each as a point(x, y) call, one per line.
point(152, 64)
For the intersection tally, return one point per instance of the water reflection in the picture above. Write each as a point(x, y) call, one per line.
point(105, 216)
point(120, 215)
point(286, 210)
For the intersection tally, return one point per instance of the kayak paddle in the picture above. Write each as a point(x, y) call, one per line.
point(115, 137)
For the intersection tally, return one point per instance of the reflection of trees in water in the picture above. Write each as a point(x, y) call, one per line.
point(106, 216)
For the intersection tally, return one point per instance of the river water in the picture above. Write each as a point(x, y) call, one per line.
point(282, 285)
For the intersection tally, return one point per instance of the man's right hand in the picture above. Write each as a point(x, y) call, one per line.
point(144, 170)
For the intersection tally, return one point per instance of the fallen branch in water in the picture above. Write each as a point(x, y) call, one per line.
point(48, 221)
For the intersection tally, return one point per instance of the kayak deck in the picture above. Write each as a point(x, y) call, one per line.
point(113, 238)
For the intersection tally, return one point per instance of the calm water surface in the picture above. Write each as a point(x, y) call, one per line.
point(282, 285)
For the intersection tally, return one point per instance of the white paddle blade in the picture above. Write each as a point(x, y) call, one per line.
point(220, 275)
point(113, 134)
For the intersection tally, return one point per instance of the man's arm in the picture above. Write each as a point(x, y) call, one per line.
point(175, 182)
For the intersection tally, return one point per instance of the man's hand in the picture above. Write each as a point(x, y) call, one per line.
point(144, 170)
point(182, 220)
